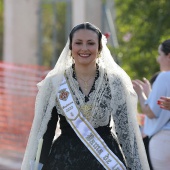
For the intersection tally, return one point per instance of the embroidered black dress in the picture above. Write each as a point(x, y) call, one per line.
point(67, 151)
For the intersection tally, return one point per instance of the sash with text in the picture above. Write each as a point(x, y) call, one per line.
point(86, 132)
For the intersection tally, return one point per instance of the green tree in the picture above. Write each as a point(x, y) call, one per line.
point(48, 17)
point(141, 27)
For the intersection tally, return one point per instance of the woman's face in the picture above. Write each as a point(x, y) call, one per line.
point(85, 47)
point(162, 59)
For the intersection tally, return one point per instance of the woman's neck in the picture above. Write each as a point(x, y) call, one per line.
point(165, 69)
point(85, 77)
point(85, 71)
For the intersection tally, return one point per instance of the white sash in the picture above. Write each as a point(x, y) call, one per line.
point(86, 132)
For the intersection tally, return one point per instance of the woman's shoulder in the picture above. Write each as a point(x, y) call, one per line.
point(163, 76)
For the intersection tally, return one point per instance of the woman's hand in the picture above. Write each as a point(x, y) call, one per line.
point(164, 102)
point(142, 86)
point(143, 89)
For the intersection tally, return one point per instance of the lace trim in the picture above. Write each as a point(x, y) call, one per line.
point(121, 104)
point(99, 98)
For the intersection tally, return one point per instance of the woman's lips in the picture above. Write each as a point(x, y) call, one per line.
point(84, 55)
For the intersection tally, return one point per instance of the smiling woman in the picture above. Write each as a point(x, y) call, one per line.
point(85, 53)
point(85, 95)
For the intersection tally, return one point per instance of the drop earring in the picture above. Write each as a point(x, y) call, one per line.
point(98, 57)
point(73, 61)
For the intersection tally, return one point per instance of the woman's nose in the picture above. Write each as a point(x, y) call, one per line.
point(84, 47)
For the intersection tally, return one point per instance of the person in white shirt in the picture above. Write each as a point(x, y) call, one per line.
point(157, 122)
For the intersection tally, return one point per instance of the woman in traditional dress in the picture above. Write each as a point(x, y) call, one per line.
point(83, 93)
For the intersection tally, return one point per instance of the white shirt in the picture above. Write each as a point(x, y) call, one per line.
point(161, 87)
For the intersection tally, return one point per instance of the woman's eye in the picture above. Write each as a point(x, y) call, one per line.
point(78, 43)
point(91, 43)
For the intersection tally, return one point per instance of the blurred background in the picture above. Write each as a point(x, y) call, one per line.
point(32, 35)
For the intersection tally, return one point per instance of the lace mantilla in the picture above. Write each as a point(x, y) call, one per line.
point(98, 99)
point(114, 95)
point(102, 103)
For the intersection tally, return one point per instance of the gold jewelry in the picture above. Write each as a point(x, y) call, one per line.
point(99, 55)
point(86, 85)
point(73, 61)
point(70, 54)
point(86, 110)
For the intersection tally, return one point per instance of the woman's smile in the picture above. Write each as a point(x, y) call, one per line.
point(85, 47)
point(84, 55)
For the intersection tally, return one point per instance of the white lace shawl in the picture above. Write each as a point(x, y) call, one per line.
point(123, 105)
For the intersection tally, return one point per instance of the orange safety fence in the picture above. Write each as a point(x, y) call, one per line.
point(17, 97)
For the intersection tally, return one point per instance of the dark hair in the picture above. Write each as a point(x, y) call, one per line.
point(87, 26)
point(165, 47)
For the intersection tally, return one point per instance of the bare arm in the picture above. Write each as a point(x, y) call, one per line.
point(142, 90)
